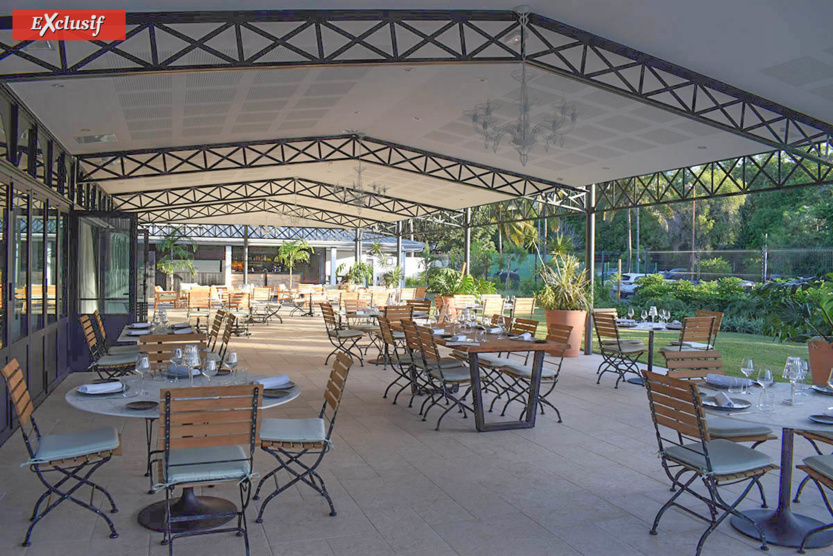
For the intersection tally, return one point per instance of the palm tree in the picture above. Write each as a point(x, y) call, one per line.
point(292, 252)
point(175, 256)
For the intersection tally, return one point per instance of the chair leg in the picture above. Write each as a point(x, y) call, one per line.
point(307, 476)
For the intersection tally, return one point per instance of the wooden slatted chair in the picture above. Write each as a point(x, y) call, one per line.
point(619, 356)
point(239, 305)
point(407, 294)
point(397, 355)
point(199, 305)
point(691, 343)
point(819, 469)
point(220, 353)
point(261, 304)
point(344, 340)
point(102, 336)
point(214, 332)
point(158, 348)
point(690, 453)
point(492, 305)
point(523, 306)
point(421, 309)
point(419, 378)
point(289, 440)
point(207, 436)
point(162, 296)
point(447, 376)
point(421, 292)
point(696, 331)
point(696, 365)
point(104, 364)
point(63, 463)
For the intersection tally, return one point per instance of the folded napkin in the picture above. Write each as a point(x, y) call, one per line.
point(181, 370)
point(140, 325)
point(273, 381)
point(183, 331)
point(525, 336)
point(723, 400)
point(495, 330)
point(463, 343)
point(728, 381)
point(458, 338)
point(180, 325)
point(102, 388)
point(138, 332)
point(437, 331)
point(360, 313)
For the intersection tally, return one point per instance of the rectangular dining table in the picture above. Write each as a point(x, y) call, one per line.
point(494, 344)
point(155, 337)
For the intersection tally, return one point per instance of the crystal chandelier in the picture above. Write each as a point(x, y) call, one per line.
point(524, 133)
point(357, 195)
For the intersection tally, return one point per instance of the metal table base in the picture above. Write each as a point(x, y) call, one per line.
point(189, 505)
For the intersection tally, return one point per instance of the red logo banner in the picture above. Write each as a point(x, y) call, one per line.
point(69, 25)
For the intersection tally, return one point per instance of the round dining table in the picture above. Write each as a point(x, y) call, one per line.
point(782, 526)
point(651, 328)
point(115, 405)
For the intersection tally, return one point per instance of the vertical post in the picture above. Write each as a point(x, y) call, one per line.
point(638, 249)
point(467, 246)
point(227, 267)
point(245, 255)
point(693, 237)
point(400, 256)
point(765, 259)
point(619, 283)
point(358, 253)
point(333, 265)
point(590, 259)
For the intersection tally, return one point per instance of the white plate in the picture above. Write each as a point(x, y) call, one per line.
point(122, 391)
point(709, 401)
point(823, 390)
point(183, 331)
point(139, 325)
point(823, 419)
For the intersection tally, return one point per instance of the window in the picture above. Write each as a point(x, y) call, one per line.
point(4, 190)
point(37, 233)
point(52, 283)
point(19, 265)
point(63, 263)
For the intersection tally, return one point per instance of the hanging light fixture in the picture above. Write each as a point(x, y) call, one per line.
point(360, 197)
point(525, 134)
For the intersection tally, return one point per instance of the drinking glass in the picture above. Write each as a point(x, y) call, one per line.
point(209, 369)
point(241, 376)
point(747, 367)
point(630, 313)
point(644, 315)
point(231, 361)
point(142, 367)
point(765, 380)
point(652, 312)
point(129, 387)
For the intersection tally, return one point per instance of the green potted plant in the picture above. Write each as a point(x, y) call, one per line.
point(393, 277)
point(291, 253)
point(565, 296)
point(175, 256)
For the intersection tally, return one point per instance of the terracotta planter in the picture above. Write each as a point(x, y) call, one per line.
point(576, 319)
point(821, 360)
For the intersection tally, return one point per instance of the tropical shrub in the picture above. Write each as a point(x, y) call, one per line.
point(566, 285)
point(447, 282)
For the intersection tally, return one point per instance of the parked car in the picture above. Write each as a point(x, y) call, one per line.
point(677, 274)
point(628, 283)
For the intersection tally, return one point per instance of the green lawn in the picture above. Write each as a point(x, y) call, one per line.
point(765, 351)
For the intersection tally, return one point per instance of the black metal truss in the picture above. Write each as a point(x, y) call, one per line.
point(770, 171)
point(240, 231)
point(278, 208)
point(160, 42)
point(277, 189)
point(105, 167)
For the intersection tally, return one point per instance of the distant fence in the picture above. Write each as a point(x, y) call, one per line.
point(749, 264)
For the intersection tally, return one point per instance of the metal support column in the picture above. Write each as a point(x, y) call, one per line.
point(333, 265)
point(245, 255)
point(590, 259)
point(467, 246)
point(227, 267)
point(358, 254)
point(400, 256)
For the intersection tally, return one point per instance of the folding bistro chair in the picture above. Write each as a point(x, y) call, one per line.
point(199, 305)
point(692, 343)
point(395, 354)
point(492, 305)
point(676, 406)
point(104, 364)
point(447, 375)
point(214, 331)
point(219, 353)
point(523, 306)
point(516, 377)
point(162, 296)
point(421, 292)
point(407, 294)
point(421, 308)
point(289, 440)
point(239, 306)
point(63, 462)
point(696, 334)
point(819, 469)
point(619, 356)
point(343, 340)
point(207, 436)
point(261, 299)
point(419, 379)
point(109, 348)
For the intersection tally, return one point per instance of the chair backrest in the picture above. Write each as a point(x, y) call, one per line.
point(522, 326)
point(501, 320)
point(199, 297)
point(676, 405)
point(420, 305)
point(409, 327)
point(19, 395)
point(330, 320)
point(262, 294)
point(397, 313)
point(219, 317)
point(159, 353)
point(696, 329)
point(605, 325)
point(693, 364)
point(96, 349)
point(559, 333)
point(492, 305)
point(461, 300)
point(335, 389)
point(606, 311)
point(209, 416)
point(421, 291)
point(239, 300)
point(718, 319)
point(379, 298)
point(407, 293)
point(353, 305)
point(385, 331)
point(523, 306)
point(347, 296)
point(102, 334)
point(428, 345)
point(446, 309)
point(231, 324)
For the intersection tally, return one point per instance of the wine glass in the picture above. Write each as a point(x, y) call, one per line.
point(765, 380)
point(747, 367)
point(209, 369)
point(142, 367)
point(630, 313)
point(652, 312)
point(231, 361)
point(644, 315)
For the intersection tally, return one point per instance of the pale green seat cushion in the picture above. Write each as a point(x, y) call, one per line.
point(451, 374)
point(293, 430)
point(630, 347)
point(118, 359)
point(214, 463)
point(401, 358)
point(525, 371)
point(124, 350)
point(346, 333)
point(693, 345)
point(365, 327)
point(444, 361)
point(726, 457)
point(822, 464)
point(622, 340)
point(732, 428)
point(53, 447)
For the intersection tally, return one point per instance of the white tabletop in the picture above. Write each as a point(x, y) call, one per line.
point(116, 404)
point(782, 415)
point(126, 337)
point(655, 326)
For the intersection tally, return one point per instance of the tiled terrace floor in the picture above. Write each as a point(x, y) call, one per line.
point(590, 485)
